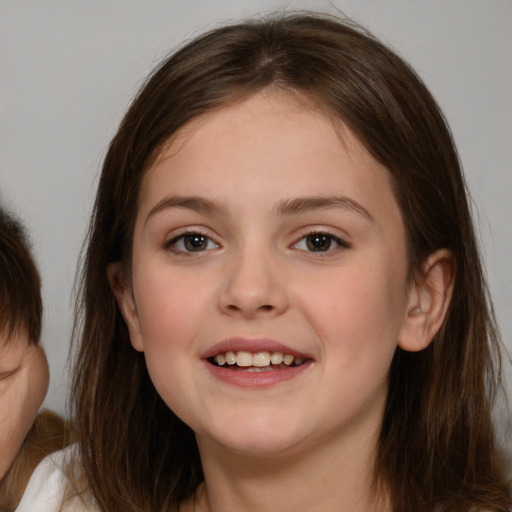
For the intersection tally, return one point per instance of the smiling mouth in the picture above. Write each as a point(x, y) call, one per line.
point(256, 362)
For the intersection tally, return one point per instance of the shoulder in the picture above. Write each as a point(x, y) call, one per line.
point(49, 488)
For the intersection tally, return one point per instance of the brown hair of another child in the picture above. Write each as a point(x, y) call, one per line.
point(20, 285)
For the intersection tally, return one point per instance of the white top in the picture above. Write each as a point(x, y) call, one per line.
point(49, 486)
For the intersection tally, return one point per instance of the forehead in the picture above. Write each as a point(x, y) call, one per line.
point(270, 147)
point(13, 345)
point(254, 122)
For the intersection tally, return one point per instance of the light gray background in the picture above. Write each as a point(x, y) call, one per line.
point(68, 69)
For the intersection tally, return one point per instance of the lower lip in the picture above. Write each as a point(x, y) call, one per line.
point(265, 379)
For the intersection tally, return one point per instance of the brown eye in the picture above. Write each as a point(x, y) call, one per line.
point(318, 242)
point(195, 242)
point(191, 242)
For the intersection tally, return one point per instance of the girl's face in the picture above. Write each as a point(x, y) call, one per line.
point(269, 282)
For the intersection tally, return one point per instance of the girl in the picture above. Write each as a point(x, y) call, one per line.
point(283, 305)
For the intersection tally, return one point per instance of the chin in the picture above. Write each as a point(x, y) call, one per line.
point(256, 437)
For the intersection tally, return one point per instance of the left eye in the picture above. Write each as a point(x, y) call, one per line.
point(319, 242)
point(192, 242)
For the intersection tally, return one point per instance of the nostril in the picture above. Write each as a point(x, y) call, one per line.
point(265, 307)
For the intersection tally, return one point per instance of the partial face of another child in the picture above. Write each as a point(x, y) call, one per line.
point(23, 386)
point(269, 286)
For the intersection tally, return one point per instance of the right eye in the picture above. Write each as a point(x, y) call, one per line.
point(8, 373)
point(191, 242)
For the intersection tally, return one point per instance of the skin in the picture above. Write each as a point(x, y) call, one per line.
point(346, 308)
point(24, 381)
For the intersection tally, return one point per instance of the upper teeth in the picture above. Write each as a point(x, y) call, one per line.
point(259, 359)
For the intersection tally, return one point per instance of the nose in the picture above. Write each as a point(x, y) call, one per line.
point(254, 286)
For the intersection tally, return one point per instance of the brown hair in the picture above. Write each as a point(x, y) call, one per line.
point(20, 286)
point(436, 448)
point(48, 434)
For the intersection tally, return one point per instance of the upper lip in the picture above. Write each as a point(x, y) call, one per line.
point(252, 345)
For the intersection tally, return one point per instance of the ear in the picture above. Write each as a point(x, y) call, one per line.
point(122, 290)
point(428, 301)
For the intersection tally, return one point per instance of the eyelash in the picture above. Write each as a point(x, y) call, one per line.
point(341, 244)
point(173, 243)
point(5, 375)
point(204, 239)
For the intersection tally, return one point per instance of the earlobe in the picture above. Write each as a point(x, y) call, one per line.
point(428, 301)
point(126, 302)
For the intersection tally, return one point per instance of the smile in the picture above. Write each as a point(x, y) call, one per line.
point(256, 362)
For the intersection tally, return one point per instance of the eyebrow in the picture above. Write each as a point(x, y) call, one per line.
point(284, 207)
point(194, 203)
point(305, 204)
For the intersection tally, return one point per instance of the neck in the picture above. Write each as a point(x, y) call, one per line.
point(331, 477)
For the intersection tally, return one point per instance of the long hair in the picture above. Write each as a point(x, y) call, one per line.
point(436, 447)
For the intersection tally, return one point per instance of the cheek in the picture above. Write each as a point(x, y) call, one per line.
point(359, 314)
point(35, 390)
point(19, 404)
point(358, 320)
point(170, 305)
point(173, 307)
